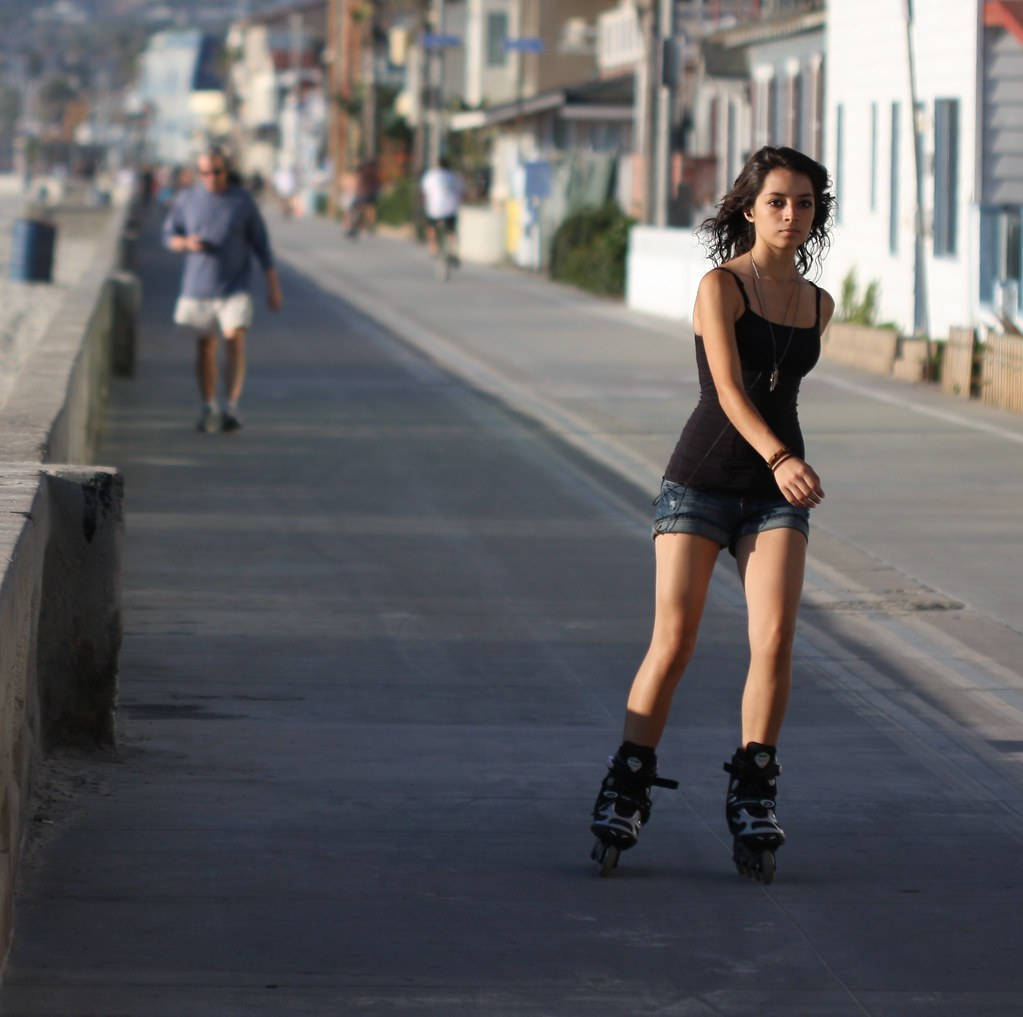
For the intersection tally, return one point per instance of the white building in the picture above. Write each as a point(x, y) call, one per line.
point(761, 83)
point(180, 86)
point(968, 82)
point(277, 91)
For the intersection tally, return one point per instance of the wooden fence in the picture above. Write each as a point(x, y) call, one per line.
point(1001, 373)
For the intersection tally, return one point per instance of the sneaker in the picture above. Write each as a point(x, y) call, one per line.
point(231, 421)
point(210, 420)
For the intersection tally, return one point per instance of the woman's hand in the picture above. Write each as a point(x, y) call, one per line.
point(798, 483)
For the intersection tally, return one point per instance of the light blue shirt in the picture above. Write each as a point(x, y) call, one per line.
point(232, 227)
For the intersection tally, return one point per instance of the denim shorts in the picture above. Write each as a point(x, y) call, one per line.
point(723, 518)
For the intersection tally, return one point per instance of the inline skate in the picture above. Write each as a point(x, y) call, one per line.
point(749, 809)
point(623, 803)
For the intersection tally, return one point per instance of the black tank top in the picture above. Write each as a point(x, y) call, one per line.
point(711, 455)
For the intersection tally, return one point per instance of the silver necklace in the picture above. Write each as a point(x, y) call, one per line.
point(772, 383)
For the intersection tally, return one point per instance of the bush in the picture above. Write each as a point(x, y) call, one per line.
point(399, 204)
point(854, 310)
point(589, 249)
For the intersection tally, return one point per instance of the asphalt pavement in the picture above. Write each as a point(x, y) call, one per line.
point(377, 647)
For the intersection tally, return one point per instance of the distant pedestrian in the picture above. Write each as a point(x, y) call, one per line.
point(736, 479)
point(361, 212)
point(441, 190)
point(218, 227)
point(285, 187)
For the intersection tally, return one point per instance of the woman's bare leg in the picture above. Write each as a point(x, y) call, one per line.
point(771, 566)
point(685, 563)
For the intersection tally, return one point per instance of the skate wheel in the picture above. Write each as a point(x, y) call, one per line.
point(607, 856)
point(767, 868)
point(761, 866)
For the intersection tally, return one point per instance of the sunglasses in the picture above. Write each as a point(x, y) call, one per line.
point(212, 173)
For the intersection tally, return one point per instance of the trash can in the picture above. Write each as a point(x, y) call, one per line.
point(32, 242)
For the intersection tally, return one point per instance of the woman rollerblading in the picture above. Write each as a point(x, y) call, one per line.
point(737, 479)
point(749, 809)
point(623, 803)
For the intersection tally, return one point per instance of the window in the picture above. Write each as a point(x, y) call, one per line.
point(893, 185)
point(1001, 250)
point(873, 157)
point(946, 175)
point(839, 160)
point(497, 32)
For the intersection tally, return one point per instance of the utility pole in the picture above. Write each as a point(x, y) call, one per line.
point(436, 80)
point(643, 108)
point(419, 78)
point(341, 77)
point(663, 85)
point(295, 27)
point(335, 15)
point(369, 75)
point(921, 323)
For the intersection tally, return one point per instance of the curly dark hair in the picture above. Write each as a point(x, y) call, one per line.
point(729, 233)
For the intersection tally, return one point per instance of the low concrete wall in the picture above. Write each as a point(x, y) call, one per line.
point(957, 368)
point(663, 271)
point(481, 235)
point(872, 349)
point(60, 537)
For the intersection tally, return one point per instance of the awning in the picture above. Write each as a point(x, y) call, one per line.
point(609, 99)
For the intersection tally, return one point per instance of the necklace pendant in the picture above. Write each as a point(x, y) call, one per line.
point(773, 382)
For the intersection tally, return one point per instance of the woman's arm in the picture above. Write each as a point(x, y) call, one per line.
point(718, 305)
point(717, 309)
point(827, 309)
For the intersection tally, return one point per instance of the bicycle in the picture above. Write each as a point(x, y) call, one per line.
point(446, 261)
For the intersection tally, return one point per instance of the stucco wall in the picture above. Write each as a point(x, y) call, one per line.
point(867, 63)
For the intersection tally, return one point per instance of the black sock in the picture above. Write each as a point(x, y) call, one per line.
point(646, 755)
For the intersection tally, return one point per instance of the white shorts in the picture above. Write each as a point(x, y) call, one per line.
point(202, 316)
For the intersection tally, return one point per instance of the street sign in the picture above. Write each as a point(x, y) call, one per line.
point(527, 44)
point(432, 40)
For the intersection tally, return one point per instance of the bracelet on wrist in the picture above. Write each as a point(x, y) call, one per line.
point(784, 459)
point(782, 454)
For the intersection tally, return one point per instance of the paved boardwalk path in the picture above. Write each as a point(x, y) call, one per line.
point(377, 647)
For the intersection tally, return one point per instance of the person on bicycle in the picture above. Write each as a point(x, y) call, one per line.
point(441, 191)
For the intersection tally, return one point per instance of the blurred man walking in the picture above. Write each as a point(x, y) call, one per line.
point(218, 227)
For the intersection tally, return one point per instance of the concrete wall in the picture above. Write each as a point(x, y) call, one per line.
point(481, 234)
point(663, 271)
point(60, 535)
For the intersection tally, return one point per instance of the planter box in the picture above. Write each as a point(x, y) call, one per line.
point(481, 234)
point(957, 364)
point(870, 349)
point(911, 364)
